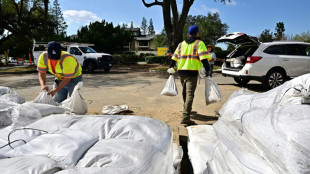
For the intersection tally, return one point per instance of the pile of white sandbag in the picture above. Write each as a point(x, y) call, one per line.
point(257, 133)
point(14, 110)
point(66, 143)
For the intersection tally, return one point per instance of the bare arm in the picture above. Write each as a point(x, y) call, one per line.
point(42, 80)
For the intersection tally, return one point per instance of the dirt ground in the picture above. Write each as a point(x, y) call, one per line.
point(138, 88)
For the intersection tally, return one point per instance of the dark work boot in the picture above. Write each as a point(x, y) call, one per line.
point(188, 122)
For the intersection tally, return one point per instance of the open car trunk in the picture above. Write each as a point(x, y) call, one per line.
point(247, 45)
point(237, 58)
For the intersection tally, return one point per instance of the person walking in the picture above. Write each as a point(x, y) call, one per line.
point(65, 68)
point(190, 56)
point(210, 48)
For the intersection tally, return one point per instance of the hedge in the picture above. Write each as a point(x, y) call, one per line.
point(157, 59)
point(125, 58)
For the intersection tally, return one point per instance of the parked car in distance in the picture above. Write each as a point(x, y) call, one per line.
point(12, 60)
point(271, 63)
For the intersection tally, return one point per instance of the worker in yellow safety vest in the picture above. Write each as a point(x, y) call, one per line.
point(190, 56)
point(63, 66)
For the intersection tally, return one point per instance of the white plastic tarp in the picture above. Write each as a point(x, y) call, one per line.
point(14, 113)
point(259, 133)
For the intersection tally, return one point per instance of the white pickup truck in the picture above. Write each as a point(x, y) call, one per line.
point(87, 57)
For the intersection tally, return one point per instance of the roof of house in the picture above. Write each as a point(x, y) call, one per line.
point(145, 37)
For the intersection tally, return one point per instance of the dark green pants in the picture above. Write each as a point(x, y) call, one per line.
point(189, 85)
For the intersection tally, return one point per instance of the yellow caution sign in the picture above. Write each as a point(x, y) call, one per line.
point(161, 51)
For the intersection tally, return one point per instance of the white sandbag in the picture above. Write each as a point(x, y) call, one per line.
point(93, 170)
point(65, 146)
point(13, 113)
point(6, 109)
point(24, 115)
point(212, 91)
point(13, 98)
point(55, 122)
point(45, 98)
point(76, 104)
point(177, 158)
point(128, 141)
point(45, 109)
point(264, 133)
point(5, 90)
point(110, 110)
point(142, 129)
point(170, 88)
point(14, 136)
point(28, 164)
point(125, 154)
point(96, 125)
point(202, 140)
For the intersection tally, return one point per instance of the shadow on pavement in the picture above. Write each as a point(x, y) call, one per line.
point(204, 117)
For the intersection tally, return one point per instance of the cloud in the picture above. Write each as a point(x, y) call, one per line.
point(204, 9)
point(80, 17)
point(231, 3)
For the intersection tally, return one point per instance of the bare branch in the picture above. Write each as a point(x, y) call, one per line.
point(151, 4)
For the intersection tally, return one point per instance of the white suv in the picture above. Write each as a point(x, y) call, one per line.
point(271, 63)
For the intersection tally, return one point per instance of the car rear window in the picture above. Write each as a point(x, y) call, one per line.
point(289, 49)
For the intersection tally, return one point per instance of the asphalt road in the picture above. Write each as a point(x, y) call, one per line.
point(139, 89)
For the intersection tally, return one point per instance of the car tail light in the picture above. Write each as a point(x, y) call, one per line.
point(253, 59)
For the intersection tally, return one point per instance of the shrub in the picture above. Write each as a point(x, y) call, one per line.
point(157, 59)
point(125, 58)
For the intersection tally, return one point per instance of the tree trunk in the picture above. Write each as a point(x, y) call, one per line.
point(173, 25)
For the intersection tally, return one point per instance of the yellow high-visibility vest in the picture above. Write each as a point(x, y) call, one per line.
point(189, 56)
point(66, 67)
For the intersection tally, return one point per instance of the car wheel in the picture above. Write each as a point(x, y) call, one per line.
point(107, 70)
point(274, 78)
point(241, 81)
point(90, 67)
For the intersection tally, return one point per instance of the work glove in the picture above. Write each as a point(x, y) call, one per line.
point(171, 70)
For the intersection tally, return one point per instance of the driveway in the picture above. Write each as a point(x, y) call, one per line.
point(139, 89)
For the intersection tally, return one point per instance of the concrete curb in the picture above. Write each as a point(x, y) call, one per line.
point(21, 72)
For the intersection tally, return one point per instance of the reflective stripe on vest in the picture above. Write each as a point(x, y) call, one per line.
point(62, 58)
point(194, 54)
point(184, 62)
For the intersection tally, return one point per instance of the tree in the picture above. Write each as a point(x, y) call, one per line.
point(24, 20)
point(210, 27)
point(143, 26)
point(61, 27)
point(279, 34)
point(174, 24)
point(105, 36)
point(305, 37)
point(266, 36)
point(131, 25)
point(161, 40)
point(151, 28)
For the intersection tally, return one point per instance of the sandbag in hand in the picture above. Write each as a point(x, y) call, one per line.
point(171, 70)
point(203, 73)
